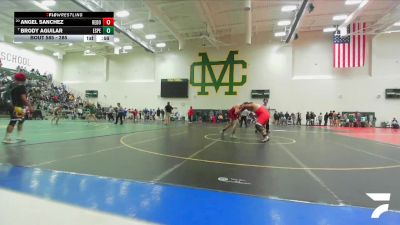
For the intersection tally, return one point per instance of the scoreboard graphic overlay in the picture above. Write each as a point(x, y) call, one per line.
point(63, 26)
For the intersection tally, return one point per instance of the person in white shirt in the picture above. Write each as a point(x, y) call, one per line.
point(320, 119)
point(110, 114)
point(243, 117)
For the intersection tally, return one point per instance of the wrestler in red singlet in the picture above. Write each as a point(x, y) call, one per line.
point(262, 117)
point(233, 115)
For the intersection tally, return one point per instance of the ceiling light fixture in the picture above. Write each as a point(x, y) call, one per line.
point(122, 13)
point(116, 40)
point(39, 48)
point(339, 17)
point(353, 2)
point(56, 53)
point(88, 53)
point(329, 29)
point(150, 36)
point(137, 26)
point(127, 47)
point(284, 23)
point(397, 24)
point(288, 8)
point(45, 8)
point(391, 31)
point(49, 3)
point(280, 34)
point(161, 45)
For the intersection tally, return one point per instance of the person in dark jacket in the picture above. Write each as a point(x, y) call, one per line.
point(326, 117)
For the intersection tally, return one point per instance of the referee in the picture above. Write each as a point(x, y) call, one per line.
point(120, 113)
point(243, 117)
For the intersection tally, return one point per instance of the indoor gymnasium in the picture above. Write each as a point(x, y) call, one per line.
point(199, 112)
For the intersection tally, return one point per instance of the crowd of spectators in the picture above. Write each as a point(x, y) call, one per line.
point(45, 95)
point(331, 118)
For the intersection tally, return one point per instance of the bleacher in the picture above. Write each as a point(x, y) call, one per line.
point(44, 94)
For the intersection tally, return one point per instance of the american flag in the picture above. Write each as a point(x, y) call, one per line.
point(349, 50)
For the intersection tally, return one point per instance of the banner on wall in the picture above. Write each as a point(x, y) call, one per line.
point(206, 78)
point(12, 57)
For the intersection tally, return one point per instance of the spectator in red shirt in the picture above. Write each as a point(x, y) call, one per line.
point(135, 114)
point(190, 114)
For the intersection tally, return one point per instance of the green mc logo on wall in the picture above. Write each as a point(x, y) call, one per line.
point(228, 66)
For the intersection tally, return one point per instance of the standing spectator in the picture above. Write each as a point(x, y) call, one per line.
point(190, 114)
point(307, 118)
point(158, 113)
point(320, 119)
point(326, 116)
point(373, 121)
point(293, 119)
point(168, 112)
point(276, 118)
point(312, 118)
point(298, 119)
point(135, 115)
point(330, 118)
point(125, 113)
point(110, 113)
point(369, 120)
point(358, 119)
point(162, 114)
point(334, 118)
point(243, 117)
point(287, 115)
point(120, 113)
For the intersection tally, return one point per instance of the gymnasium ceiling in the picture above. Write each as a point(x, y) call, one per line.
point(211, 23)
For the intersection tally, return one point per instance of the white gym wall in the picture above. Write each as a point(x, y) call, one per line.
point(300, 76)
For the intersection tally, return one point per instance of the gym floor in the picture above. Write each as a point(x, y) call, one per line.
point(300, 172)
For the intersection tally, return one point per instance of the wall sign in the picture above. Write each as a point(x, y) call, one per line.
point(91, 93)
point(13, 56)
point(260, 94)
point(207, 66)
point(392, 93)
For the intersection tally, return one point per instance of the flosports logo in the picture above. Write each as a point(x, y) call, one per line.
point(207, 65)
point(379, 197)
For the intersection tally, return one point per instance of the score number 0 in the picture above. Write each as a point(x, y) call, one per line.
point(108, 24)
point(108, 21)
